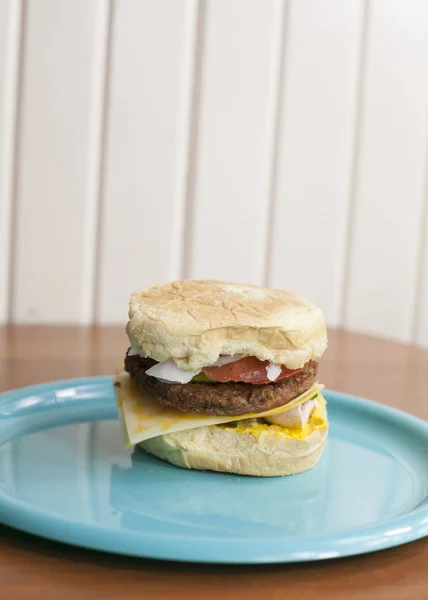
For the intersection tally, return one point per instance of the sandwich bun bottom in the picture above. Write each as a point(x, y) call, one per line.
point(261, 450)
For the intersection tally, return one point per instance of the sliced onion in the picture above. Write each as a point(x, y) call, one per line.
point(273, 371)
point(168, 371)
point(133, 352)
point(226, 360)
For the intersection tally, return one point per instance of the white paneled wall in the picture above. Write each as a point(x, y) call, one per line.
point(62, 66)
point(269, 141)
point(315, 150)
point(147, 126)
point(233, 151)
point(391, 163)
point(10, 41)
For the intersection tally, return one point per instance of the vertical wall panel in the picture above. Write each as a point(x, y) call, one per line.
point(317, 125)
point(420, 322)
point(58, 135)
point(234, 141)
point(152, 54)
point(390, 176)
point(10, 23)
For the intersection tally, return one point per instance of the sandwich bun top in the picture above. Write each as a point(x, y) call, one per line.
point(194, 322)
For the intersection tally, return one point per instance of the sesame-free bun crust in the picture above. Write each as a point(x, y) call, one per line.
point(226, 450)
point(194, 322)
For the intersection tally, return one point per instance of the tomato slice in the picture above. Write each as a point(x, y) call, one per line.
point(247, 370)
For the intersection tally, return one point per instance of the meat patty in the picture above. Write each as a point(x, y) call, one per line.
point(220, 398)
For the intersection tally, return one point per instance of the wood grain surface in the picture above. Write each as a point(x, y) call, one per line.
point(35, 569)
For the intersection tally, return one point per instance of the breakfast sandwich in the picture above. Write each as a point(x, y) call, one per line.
point(223, 377)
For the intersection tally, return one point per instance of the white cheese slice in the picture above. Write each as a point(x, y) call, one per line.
point(142, 417)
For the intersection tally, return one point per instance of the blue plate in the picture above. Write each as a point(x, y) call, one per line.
point(65, 475)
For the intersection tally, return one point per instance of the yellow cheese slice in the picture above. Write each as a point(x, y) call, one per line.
point(142, 417)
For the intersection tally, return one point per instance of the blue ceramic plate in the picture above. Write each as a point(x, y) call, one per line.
point(65, 475)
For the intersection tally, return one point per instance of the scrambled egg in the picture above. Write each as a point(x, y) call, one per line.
point(316, 422)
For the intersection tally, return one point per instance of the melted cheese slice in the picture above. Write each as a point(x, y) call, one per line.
point(142, 417)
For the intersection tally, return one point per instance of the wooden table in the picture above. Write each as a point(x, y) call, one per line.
point(33, 569)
